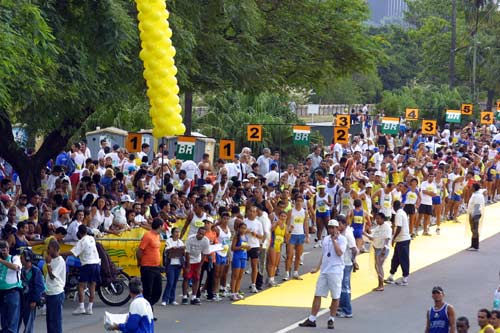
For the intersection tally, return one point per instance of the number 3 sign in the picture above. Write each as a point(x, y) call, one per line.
point(429, 127)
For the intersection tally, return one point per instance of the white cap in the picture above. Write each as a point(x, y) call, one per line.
point(126, 198)
point(333, 223)
point(209, 219)
point(379, 173)
point(369, 185)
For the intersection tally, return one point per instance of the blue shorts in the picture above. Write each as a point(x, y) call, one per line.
point(220, 260)
point(456, 197)
point(436, 200)
point(90, 273)
point(297, 239)
point(239, 263)
point(357, 230)
point(498, 176)
point(323, 214)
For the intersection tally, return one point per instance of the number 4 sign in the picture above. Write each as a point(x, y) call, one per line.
point(227, 149)
point(486, 118)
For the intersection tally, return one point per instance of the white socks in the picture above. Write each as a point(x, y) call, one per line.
point(312, 318)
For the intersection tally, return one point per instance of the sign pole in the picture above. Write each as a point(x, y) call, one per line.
point(279, 160)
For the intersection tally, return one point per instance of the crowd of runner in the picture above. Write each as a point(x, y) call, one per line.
point(223, 219)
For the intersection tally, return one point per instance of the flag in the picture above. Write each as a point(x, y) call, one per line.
point(390, 125)
point(453, 116)
point(301, 135)
point(185, 148)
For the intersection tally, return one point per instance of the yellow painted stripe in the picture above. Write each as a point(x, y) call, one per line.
point(424, 252)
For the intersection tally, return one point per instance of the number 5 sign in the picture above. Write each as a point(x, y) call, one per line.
point(429, 127)
point(254, 133)
point(341, 135)
point(134, 142)
point(226, 149)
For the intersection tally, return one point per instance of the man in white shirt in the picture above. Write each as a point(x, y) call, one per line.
point(197, 246)
point(55, 280)
point(266, 228)
point(272, 176)
point(316, 157)
point(255, 234)
point(345, 308)
point(264, 161)
point(401, 238)
point(475, 210)
point(331, 267)
point(90, 271)
point(427, 191)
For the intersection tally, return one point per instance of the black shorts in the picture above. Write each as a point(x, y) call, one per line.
point(253, 253)
point(425, 209)
point(409, 209)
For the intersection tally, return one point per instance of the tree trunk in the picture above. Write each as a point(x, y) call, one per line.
point(188, 111)
point(489, 102)
point(28, 167)
point(453, 42)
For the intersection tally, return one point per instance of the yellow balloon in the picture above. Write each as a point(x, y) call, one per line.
point(178, 109)
point(173, 70)
point(171, 51)
point(175, 89)
point(172, 99)
point(169, 33)
point(179, 129)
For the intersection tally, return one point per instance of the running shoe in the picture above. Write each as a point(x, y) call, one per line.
point(472, 249)
point(296, 276)
point(330, 324)
point(174, 303)
point(307, 323)
point(163, 303)
point(196, 301)
point(402, 282)
point(438, 231)
point(389, 280)
point(253, 289)
point(185, 301)
point(79, 311)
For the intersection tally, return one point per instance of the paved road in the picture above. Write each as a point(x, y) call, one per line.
point(468, 279)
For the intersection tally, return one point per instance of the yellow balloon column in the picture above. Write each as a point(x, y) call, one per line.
point(158, 56)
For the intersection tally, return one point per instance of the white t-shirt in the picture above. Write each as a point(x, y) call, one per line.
point(331, 262)
point(272, 177)
point(56, 286)
point(266, 227)
point(72, 231)
point(351, 242)
point(86, 251)
point(401, 220)
point(196, 247)
point(170, 243)
point(426, 186)
point(190, 167)
point(380, 234)
point(256, 227)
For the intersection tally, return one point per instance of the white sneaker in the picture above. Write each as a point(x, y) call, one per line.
point(286, 277)
point(88, 311)
point(253, 289)
point(217, 298)
point(389, 280)
point(402, 282)
point(163, 303)
point(316, 245)
point(296, 276)
point(79, 311)
point(235, 297)
point(174, 303)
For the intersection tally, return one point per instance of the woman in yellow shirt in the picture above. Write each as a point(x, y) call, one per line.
point(279, 234)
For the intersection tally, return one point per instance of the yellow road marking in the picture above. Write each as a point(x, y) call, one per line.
point(424, 252)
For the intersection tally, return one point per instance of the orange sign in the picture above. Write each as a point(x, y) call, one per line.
point(429, 127)
point(254, 133)
point(343, 120)
point(487, 118)
point(411, 114)
point(227, 149)
point(134, 142)
point(341, 134)
point(467, 109)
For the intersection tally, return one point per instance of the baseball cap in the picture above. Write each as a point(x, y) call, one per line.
point(209, 219)
point(321, 186)
point(370, 185)
point(437, 289)
point(63, 211)
point(333, 223)
point(251, 176)
point(126, 198)
point(378, 173)
point(245, 180)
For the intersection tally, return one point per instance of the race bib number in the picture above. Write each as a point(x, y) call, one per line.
point(412, 196)
point(322, 207)
point(346, 202)
point(298, 220)
point(493, 172)
point(279, 239)
point(387, 204)
point(358, 219)
point(199, 224)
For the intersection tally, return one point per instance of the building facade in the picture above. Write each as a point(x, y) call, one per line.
point(387, 10)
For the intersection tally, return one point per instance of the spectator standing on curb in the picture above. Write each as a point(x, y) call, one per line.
point(34, 287)
point(149, 261)
point(345, 308)
point(10, 286)
point(401, 239)
point(55, 282)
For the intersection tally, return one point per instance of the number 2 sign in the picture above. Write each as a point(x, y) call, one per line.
point(341, 135)
point(254, 133)
point(227, 149)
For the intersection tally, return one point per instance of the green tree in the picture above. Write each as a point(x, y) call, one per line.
point(260, 45)
point(61, 62)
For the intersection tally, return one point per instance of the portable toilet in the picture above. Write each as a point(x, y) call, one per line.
point(203, 145)
point(112, 135)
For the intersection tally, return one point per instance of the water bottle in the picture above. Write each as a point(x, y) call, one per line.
point(496, 299)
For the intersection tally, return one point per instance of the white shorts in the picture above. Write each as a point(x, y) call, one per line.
point(329, 282)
